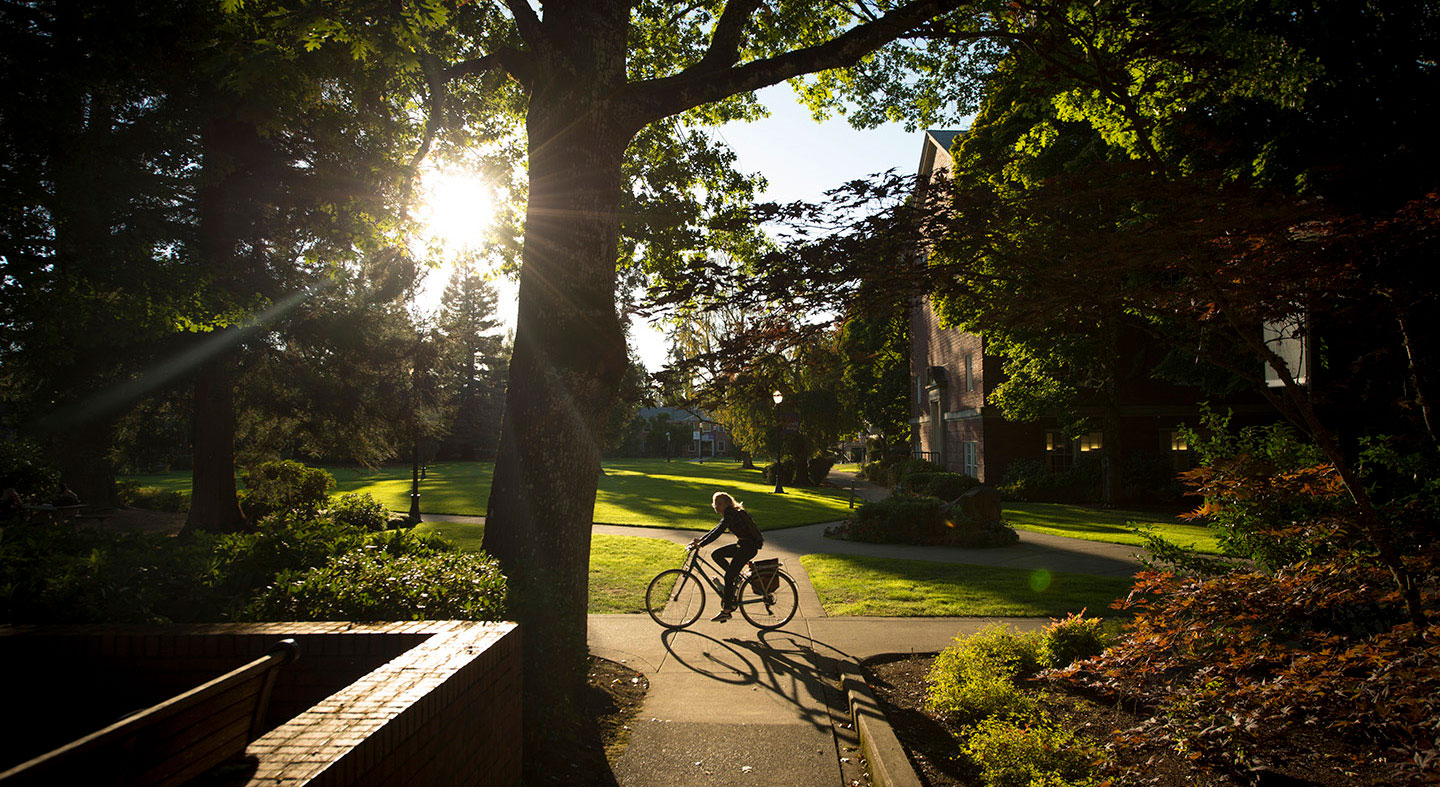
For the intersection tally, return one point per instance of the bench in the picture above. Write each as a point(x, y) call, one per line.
point(169, 743)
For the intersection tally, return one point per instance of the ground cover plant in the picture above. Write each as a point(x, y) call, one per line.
point(639, 492)
point(620, 566)
point(1109, 525)
point(862, 585)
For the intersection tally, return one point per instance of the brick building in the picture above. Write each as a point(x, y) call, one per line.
point(954, 423)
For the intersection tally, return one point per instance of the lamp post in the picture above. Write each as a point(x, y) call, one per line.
point(414, 448)
point(779, 438)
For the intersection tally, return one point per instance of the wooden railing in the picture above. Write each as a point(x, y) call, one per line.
point(169, 743)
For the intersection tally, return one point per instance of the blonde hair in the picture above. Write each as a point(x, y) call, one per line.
point(733, 503)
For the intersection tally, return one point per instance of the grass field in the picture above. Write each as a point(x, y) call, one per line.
point(1108, 525)
point(641, 492)
point(620, 566)
point(858, 585)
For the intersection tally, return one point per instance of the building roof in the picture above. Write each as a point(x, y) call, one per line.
point(936, 146)
point(942, 137)
point(677, 414)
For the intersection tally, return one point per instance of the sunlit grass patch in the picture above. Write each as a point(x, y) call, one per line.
point(1113, 526)
point(858, 585)
point(620, 566)
point(640, 492)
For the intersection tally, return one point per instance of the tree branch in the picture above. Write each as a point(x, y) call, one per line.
point(526, 22)
point(724, 50)
point(514, 62)
point(702, 84)
point(434, 77)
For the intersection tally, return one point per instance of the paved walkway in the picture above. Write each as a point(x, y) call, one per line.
point(729, 704)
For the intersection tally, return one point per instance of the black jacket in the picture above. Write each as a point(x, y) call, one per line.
point(737, 521)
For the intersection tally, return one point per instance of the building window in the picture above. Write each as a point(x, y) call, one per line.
point(970, 458)
point(1093, 441)
point(1058, 453)
point(969, 371)
point(1175, 443)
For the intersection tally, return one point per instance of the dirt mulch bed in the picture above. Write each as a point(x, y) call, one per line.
point(931, 742)
point(616, 694)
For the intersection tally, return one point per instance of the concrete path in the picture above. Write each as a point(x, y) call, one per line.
point(729, 704)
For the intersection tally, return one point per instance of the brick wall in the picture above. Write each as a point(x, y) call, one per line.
point(394, 703)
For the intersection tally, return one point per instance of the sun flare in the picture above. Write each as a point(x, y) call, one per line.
point(456, 208)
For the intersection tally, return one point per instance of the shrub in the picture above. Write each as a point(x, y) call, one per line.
point(1263, 490)
point(86, 575)
point(359, 510)
point(23, 467)
point(284, 486)
point(898, 520)
point(153, 498)
point(1031, 480)
point(1033, 754)
point(1076, 637)
point(374, 584)
point(910, 466)
point(906, 519)
point(819, 468)
point(873, 472)
point(946, 486)
point(975, 678)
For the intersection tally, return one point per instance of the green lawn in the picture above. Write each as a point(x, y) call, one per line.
point(620, 566)
point(643, 492)
point(858, 585)
point(1108, 525)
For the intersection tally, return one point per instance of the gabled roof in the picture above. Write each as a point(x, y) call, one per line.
point(677, 414)
point(935, 141)
point(943, 138)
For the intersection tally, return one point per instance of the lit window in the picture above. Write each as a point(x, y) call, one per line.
point(1058, 451)
point(1090, 442)
point(1176, 440)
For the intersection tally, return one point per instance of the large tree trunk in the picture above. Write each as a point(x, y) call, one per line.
point(213, 503)
point(568, 359)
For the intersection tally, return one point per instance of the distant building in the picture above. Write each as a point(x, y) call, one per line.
point(952, 376)
point(707, 438)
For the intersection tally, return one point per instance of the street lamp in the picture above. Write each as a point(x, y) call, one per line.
point(779, 438)
point(414, 447)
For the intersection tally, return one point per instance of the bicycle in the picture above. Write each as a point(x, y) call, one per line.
point(676, 596)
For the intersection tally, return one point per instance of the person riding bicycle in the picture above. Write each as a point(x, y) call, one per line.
point(733, 557)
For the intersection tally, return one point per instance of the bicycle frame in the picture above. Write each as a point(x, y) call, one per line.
point(695, 560)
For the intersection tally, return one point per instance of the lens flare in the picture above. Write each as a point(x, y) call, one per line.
point(1040, 580)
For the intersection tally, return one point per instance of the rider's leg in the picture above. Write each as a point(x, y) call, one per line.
point(739, 555)
point(725, 557)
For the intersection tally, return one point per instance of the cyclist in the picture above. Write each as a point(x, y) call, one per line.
point(733, 557)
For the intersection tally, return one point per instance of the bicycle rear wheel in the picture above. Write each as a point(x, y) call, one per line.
point(770, 610)
point(675, 598)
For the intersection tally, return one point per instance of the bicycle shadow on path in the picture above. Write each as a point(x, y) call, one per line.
point(727, 707)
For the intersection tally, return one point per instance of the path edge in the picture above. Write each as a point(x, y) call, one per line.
point(886, 760)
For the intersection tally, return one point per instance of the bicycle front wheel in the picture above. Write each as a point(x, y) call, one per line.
point(772, 609)
point(675, 598)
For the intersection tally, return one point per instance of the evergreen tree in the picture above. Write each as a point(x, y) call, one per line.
point(473, 361)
